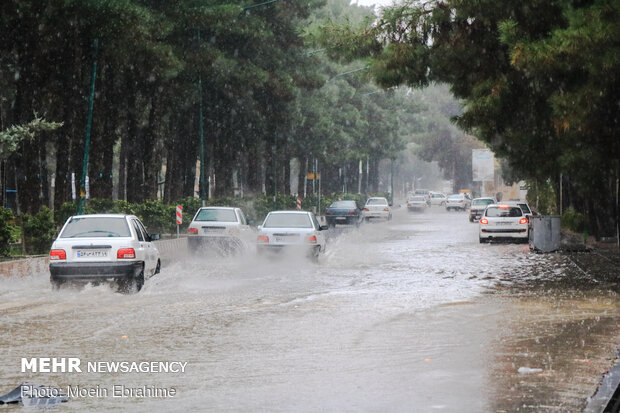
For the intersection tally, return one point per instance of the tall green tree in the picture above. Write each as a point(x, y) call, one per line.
point(539, 80)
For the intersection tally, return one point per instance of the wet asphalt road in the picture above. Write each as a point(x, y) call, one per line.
point(408, 315)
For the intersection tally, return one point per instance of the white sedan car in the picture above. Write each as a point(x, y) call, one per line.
point(377, 207)
point(458, 202)
point(417, 203)
point(501, 221)
point(291, 230)
point(437, 199)
point(223, 228)
point(104, 247)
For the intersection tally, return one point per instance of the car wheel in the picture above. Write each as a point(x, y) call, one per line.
point(314, 256)
point(158, 268)
point(471, 219)
point(140, 281)
point(56, 284)
point(133, 284)
point(482, 240)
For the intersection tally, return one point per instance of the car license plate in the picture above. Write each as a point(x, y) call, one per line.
point(284, 238)
point(502, 223)
point(341, 218)
point(92, 253)
point(207, 230)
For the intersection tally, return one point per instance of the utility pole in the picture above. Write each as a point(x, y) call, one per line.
point(359, 178)
point(88, 128)
point(392, 181)
point(275, 171)
point(201, 181)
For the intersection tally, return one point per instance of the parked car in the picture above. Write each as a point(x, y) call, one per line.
point(503, 221)
point(417, 204)
point(478, 205)
point(224, 228)
point(458, 202)
point(291, 230)
point(104, 247)
point(438, 199)
point(343, 212)
point(377, 207)
point(523, 205)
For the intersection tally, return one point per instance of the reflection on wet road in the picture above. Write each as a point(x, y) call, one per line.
point(410, 315)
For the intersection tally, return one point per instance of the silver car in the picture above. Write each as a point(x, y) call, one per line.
point(417, 204)
point(458, 202)
point(377, 207)
point(478, 205)
point(292, 231)
point(523, 205)
point(223, 229)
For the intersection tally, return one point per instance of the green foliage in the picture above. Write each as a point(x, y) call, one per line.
point(39, 231)
point(5, 231)
point(538, 80)
point(11, 137)
point(156, 216)
point(543, 195)
point(573, 220)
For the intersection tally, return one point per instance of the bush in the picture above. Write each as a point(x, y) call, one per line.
point(573, 220)
point(156, 216)
point(6, 231)
point(39, 231)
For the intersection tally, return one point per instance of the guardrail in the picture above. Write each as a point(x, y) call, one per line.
point(169, 249)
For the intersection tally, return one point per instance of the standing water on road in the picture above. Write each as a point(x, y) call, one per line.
point(408, 315)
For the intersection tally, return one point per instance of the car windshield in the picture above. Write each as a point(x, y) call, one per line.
point(96, 227)
point(219, 215)
point(482, 202)
point(503, 212)
point(376, 201)
point(291, 220)
point(343, 204)
point(455, 197)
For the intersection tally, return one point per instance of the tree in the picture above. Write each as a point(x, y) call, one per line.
point(539, 81)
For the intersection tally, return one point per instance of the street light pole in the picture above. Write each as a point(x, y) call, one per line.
point(88, 128)
point(201, 181)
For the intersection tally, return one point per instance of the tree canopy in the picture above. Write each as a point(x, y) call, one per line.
point(539, 81)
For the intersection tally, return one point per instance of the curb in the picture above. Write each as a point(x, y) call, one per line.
point(607, 396)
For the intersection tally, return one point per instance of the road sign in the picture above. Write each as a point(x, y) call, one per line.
point(179, 214)
point(299, 204)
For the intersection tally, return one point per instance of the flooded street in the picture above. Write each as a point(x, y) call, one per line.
point(408, 315)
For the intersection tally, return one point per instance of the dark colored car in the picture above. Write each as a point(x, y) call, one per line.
point(343, 212)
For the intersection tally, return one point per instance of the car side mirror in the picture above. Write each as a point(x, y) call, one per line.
point(154, 237)
point(259, 227)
